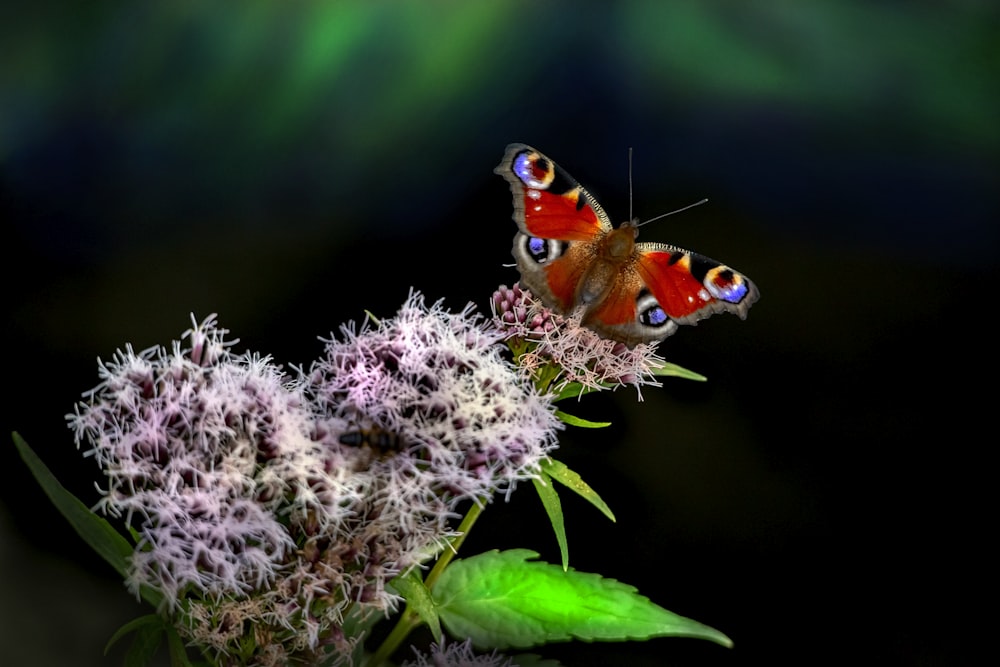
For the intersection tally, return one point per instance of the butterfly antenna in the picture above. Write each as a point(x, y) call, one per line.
point(663, 215)
point(629, 182)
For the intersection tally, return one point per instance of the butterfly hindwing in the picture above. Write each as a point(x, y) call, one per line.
point(552, 269)
point(690, 287)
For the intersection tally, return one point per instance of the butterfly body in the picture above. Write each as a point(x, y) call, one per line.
point(573, 259)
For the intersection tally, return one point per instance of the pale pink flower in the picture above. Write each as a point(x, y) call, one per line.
point(564, 355)
point(177, 435)
point(303, 495)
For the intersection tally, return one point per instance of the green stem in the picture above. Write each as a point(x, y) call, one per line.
point(456, 543)
point(406, 623)
point(409, 620)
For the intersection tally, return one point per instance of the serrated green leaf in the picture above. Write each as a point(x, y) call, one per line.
point(573, 420)
point(419, 599)
point(558, 471)
point(95, 531)
point(553, 507)
point(501, 599)
point(667, 369)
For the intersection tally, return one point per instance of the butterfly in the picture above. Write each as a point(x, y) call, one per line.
point(571, 257)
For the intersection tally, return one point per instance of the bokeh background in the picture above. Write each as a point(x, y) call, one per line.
point(824, 498)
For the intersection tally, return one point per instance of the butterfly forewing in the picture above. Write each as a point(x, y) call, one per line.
point(690, 287)
point(552, 205)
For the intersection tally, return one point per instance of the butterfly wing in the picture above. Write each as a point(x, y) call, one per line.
point(560, 225)
point(629, 312)
point(689, 287)
point(548, 202)
point(664, 286)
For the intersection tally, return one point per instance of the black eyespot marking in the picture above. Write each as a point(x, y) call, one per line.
point(538, 249)
point(651, 314)
point(653, 317)
point(675, 257)
point(542, 251)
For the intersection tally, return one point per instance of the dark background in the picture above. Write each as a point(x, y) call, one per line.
point(822, 499)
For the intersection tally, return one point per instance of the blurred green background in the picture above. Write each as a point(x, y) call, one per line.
point(289, 165)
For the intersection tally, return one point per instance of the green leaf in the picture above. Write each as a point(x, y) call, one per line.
point(95, 531)
point(578, 390)
point(148, 635)
point(359, 619)
point(419, 599)
point(144, 646)
point(558, 471)
point(667, 369)
point(500, 600)
point(178, 654)
point(580, 421)
point(134, 626)
point(574, 390)
point(553, 507)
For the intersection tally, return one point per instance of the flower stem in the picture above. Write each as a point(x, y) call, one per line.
point(406, 623)
point(409, 620)
point(456, 542)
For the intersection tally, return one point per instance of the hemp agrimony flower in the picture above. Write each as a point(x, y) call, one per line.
point(177, 435)
point(437, 381)
point(257, 506)
point(277, 515)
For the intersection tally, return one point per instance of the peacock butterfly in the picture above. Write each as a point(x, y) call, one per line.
point(572, 257)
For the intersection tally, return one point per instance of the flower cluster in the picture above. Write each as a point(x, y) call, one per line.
point(177, 435)
point(442, 387)
point(279, 504)
point(560, 353)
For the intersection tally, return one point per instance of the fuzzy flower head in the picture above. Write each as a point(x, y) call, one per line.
point(177, 435)
point(212, 455)
point(421, 412)
point(434, 384)
point(563, 356)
